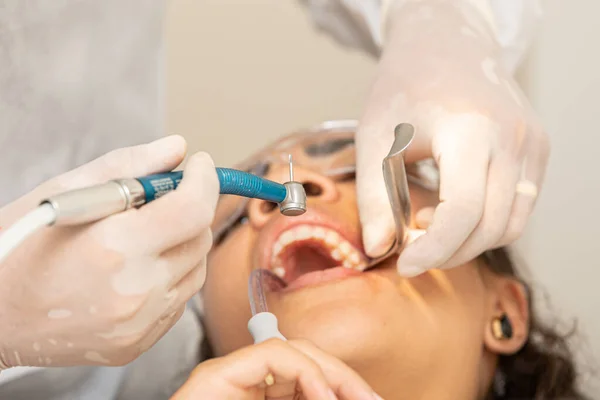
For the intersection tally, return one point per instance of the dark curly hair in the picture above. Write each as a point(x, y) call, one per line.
point(544, 368)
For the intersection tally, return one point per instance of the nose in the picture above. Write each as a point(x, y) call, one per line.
point(317, 187)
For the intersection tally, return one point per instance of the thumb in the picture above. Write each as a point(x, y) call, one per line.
point(129, 162)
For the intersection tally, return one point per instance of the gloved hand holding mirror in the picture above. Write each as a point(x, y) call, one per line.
point(440, 71)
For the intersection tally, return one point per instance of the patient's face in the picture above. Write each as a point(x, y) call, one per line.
point(415, 328)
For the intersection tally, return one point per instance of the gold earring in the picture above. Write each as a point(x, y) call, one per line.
point(269, 379)
point(502, 328)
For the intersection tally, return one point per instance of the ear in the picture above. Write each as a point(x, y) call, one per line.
point(512, 303)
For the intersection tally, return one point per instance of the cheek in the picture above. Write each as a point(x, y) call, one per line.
point(456, 298)
point(448, 311)
point(225, 293)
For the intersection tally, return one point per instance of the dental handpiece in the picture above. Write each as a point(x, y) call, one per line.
point(94, 203)
point(97, 202)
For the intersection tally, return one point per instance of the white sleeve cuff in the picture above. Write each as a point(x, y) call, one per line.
point(360, 23)
point(483, 6)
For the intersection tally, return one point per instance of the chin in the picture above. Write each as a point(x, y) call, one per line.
point(351, 327)
point(350, 337)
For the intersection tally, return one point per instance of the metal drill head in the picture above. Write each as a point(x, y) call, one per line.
point(294, 203)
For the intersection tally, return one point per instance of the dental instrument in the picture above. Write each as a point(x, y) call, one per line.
point(396, 184)
point(100, 201)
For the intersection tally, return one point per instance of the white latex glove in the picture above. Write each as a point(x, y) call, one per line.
point(440, 71)
point(294, 365)
point(104, 293)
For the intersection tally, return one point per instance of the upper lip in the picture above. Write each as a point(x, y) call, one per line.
point(313, 218)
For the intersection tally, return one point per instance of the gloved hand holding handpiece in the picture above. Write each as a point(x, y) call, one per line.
point(141, 265)
point(103, 293)
point(441, 71)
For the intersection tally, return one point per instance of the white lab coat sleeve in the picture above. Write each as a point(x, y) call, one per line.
point(357, 23)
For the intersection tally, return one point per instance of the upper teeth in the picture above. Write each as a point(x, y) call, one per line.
point(339, 248)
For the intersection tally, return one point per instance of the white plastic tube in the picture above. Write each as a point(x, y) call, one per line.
point(263, 326)
point(15, 235)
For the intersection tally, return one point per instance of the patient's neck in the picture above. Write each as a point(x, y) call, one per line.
point(392, 378)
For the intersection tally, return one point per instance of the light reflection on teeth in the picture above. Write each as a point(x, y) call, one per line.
point(339, 248)
point(279, 271)
point(303, 233)
point(319, 232)
point(332, 238)
point(286, 238)
point(337, 255)
point(345, 248)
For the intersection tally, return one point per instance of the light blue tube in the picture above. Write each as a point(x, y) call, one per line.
point(231, 181)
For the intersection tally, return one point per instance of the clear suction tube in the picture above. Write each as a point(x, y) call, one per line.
point(263, 324)
point(260, 281)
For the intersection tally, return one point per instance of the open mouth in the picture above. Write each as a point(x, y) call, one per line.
point(312, 254)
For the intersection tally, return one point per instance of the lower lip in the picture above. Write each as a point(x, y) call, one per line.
point(321, 277)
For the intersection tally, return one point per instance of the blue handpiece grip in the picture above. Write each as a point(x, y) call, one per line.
point(248, 185)
point(231, 181)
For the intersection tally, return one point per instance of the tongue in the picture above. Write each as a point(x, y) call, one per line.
point(305, 259)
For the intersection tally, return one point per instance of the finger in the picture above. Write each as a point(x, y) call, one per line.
point(462, 153)
point(182, 259)
point(424, 217)
point(500, 193)
point(189, 285)
point(249, 367)
point(181, 214)
point(160, 328)
point(532, 177)
point(344, 381)
point(129, 162)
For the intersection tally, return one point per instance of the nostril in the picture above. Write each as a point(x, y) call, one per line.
point(266, 207)
point(312, 189)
